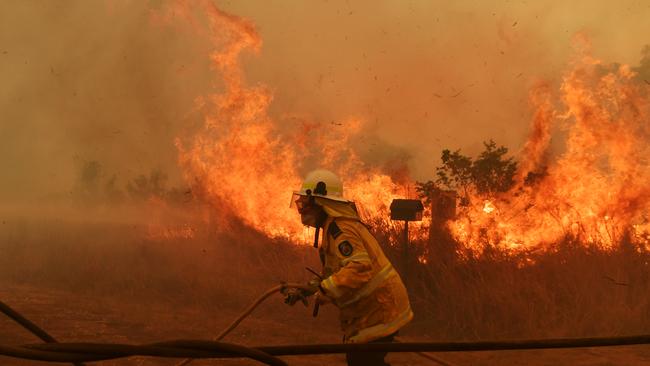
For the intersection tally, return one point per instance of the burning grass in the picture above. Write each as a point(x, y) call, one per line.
point(591, 184)
point(583, 171)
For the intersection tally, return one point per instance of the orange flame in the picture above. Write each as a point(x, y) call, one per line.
point(597, 189)
point(583, 172)
point(488, 207)
point(245, 167)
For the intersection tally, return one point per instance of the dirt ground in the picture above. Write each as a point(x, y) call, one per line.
point(71, 316)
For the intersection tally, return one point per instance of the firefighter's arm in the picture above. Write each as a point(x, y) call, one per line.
point(355, 267)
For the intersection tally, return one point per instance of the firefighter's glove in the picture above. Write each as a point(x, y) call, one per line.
point(292, 294)
point(322, 299)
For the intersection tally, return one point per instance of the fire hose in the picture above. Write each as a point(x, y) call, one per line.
point(245, 314)
point(27, 324)
point(269, 293)
point(200, 349)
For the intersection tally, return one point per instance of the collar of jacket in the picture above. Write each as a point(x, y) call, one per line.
point(337, 209)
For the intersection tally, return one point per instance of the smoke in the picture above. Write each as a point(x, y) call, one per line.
point(430, 75)
point(87, 81)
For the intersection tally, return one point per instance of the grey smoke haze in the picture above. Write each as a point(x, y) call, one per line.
point(83, 81)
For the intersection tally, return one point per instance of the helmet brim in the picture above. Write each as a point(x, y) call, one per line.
point(297, 194)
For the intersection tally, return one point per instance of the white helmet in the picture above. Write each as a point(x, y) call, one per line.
point(321, 183)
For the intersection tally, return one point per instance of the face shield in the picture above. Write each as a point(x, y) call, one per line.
point(299, 201)
point(311, 213)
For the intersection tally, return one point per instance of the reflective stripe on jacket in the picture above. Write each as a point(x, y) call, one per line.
point(361, 282)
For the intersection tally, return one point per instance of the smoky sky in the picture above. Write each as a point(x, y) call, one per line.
point(100, 81)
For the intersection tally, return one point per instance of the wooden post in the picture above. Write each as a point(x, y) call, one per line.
point(406, 210)
point(443, 208)
point(405, 253)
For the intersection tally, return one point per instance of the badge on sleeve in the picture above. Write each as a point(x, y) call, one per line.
point(345, 248)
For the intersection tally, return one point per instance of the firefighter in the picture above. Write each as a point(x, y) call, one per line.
point(356, 277)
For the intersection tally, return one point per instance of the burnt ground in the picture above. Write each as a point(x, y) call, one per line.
point(72, 316)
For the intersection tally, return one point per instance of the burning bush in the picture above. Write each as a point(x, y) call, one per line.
point(594, 185)
point(486, 176)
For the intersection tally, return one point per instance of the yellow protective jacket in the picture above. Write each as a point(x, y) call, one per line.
point(360, 280)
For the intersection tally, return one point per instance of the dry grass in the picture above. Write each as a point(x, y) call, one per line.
point(110, 258)
point(571, 291)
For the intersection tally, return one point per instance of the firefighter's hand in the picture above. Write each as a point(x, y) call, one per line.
point(292, 294)
point(322, 299)
point(314, 285)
